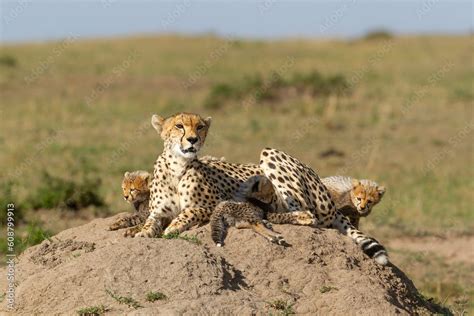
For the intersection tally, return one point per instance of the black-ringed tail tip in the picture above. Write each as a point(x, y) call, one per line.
point(219, 244)
point(375, 250)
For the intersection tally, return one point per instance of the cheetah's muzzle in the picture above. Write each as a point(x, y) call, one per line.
point(189, 150)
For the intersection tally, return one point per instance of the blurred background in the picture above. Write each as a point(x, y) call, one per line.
point(371, 89)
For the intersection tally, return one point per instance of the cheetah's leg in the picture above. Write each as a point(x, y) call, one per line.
point(187, 219)
point(296, 218)
point(261, 229)
point(156, 221)
point(132, 231)
point(127, 221)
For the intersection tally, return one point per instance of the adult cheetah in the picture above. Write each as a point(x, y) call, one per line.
point(299, 188)
point(187, 190)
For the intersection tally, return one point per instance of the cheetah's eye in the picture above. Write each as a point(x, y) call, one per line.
point(200, 127)
point(369, 201)
point(179, 126)
point(359, 199)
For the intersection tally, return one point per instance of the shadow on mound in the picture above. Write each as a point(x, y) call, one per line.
point(322, 273)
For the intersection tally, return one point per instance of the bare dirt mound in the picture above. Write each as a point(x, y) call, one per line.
point(321, 273)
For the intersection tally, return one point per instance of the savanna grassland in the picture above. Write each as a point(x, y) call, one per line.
point(75, 115)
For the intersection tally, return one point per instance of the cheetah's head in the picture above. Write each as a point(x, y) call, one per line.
point(135, 186)
point(365, 195)
point(183, 133)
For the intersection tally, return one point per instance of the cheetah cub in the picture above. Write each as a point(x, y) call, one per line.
point(136, 191)
point(252, 208)
point(354, 198)
point(242, 213)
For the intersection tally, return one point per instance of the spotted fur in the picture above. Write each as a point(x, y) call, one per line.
point(354, 198)
point(186, 190)
point(249, 208)
point(299, 188)
point(136, 191)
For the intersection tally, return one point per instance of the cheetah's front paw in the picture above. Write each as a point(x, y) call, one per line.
point(267, 224)
point(132, 231)
point(146, 232)
point(306, 218)
point(279, 240)
point(171, 231)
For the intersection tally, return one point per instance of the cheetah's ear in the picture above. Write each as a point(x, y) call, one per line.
point(208, 121)
point(126, 174)
point(157, 122)
point(256, 186)
point(147, 177)
point(144, 174)
point(381, 190)
point(355, 183)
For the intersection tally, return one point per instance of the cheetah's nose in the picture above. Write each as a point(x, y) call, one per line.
point(125, 197)
point(192, 140)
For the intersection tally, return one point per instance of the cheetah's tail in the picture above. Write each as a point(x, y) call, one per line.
point(218, 227)
point(370, 246)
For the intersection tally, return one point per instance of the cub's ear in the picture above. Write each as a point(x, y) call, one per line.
point(157, 122)
point(256, 186)
point(381, 190)
point(208, 121)
point(355, 183)
point(126, 174)
point(145, 175)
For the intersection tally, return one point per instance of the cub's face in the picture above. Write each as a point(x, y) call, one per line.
point(365, 196)
point(183, 133)
point(135, 186)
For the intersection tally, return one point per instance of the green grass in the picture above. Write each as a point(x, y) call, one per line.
point(92, 310)
point(155, 296)
point(56, 192)
point(378, 35)
point(274, 88)
point(326, 289)
point(32, 234)
point(126, 300)
point(7, 197)
point(283, 307)
point(8, 61)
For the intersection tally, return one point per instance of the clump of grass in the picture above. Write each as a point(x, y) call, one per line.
point(219, 94)
point(8, 61)
point(378, 35)
point(92, 310)
point(126, 300)
point(256, 88)
point(55, 192)
point(283, 306)
point(325, 289)
point(192, 239)
point(155, 296)
point(7, 197)
point(35, 234)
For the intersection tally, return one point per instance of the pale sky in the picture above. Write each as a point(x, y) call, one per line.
point(36, 20)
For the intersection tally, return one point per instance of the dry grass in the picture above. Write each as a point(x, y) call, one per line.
point(85, 107)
